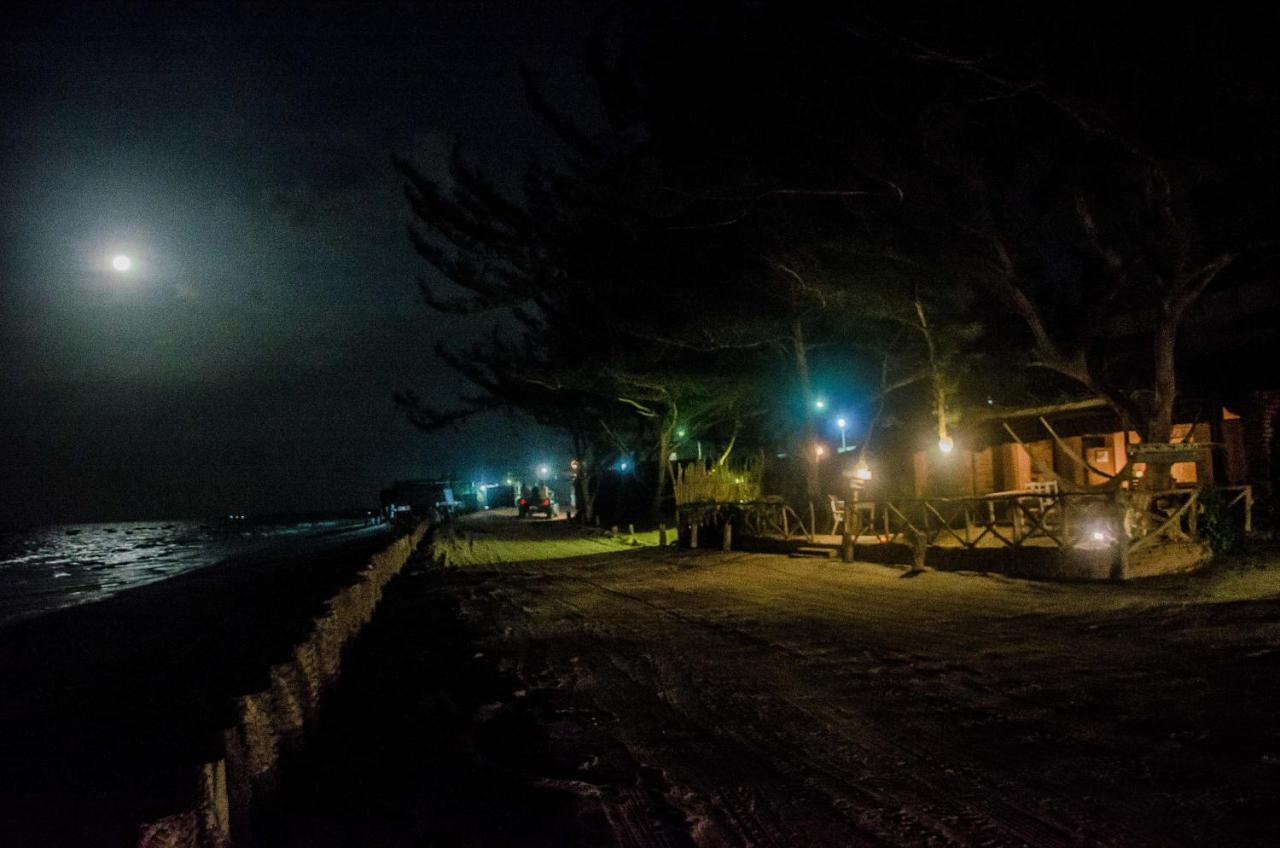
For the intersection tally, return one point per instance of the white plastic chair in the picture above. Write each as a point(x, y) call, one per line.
point(837, 513)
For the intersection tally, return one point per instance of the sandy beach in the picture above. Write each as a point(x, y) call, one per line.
point(645, 696)
point(107, 707)
point(555, 686)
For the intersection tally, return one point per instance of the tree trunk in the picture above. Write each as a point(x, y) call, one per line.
point(812, 483)
point(583, 514)
point(664, 451)
point(591, 489)
point(1159, 424)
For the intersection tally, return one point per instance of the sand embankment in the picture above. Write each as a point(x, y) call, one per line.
point(274, 718)
point(151, 702)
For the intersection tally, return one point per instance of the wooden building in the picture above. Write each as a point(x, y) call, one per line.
point(987, 458)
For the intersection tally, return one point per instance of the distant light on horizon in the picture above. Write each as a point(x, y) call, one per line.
point(122, 263)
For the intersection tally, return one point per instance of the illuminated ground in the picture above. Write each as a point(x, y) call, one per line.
point(645, 696)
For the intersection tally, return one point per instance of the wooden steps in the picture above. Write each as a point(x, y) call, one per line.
point(829, 553)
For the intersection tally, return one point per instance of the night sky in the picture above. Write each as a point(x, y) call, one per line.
point(242, 159)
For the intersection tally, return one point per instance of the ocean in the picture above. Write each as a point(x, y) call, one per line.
point(60, 566)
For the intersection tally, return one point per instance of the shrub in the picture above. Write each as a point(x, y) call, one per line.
point(1221, 525)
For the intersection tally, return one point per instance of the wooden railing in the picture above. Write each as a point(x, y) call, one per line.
point(1065, 519)
point(766, 517)
point(1170, 516)
point(1008, 519)
point(1135, 519)
point(1241, 496)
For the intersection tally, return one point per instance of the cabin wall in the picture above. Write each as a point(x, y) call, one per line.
point(984, 471)
point(1261, 421)
point(1232, 466)
point(1013, 466)
point(1069, 469)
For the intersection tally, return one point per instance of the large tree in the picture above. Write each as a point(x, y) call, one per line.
point(1095, 172)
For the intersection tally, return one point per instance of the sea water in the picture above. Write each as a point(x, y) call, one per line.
point(64, 565)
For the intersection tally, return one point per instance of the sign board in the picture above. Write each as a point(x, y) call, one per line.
point(1164, 453)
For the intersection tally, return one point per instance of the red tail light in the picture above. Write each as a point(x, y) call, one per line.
point(523, 502)
point(546, 502)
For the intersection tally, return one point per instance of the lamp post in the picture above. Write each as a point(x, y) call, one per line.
point(842, 424)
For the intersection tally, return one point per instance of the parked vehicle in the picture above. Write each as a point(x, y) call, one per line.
point(538, 500)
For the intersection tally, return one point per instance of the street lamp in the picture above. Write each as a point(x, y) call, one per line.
point(842, 424)
point(818, 451)
point(946, 443)
point(681, 432)
point(543, 471)
point(819, 404)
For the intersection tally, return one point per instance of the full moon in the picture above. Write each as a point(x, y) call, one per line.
point(122, 263)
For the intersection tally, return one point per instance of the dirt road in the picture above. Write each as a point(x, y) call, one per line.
point(686, 698)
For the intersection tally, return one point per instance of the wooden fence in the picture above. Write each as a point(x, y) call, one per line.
point(1065, 519)
point(1010, 519)
point(765, 517)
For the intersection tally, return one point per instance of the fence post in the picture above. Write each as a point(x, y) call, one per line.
point(846, 540)
point(693, 533)
point(813, 526)
point(1063, 505)
point(726, 543)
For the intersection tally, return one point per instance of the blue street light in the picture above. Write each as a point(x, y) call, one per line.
point(842, 423)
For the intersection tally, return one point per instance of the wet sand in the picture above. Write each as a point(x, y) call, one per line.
point(107, 707)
